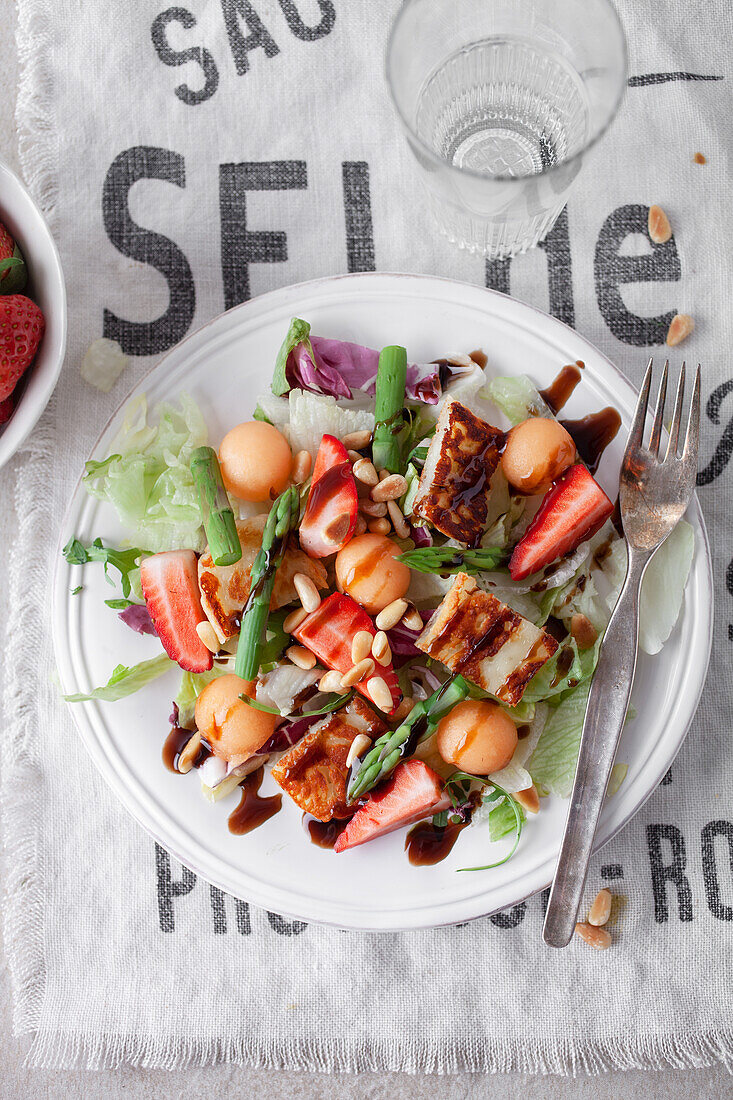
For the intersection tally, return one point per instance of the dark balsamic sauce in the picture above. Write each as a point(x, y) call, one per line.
point(324, 833)
point(253, 810)
point(564, 661)
point(174, 745)
point(479, 358)
point(559, 392)
point(592, 434)
point(328, 487)
point(427, 844)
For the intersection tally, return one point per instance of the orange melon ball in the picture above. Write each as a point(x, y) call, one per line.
point(231, 726)
point(537, 451)
point(367, 571)
point(477, 736)
point(255, 461)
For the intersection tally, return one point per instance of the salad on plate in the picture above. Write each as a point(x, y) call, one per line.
point(387, 591)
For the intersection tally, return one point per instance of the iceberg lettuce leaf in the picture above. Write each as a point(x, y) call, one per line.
point(126, 681)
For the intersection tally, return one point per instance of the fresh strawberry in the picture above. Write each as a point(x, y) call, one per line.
point(21, 329)
point(413, 792)
point(330, 514)
point(171, 590)
point(12, 276)
point(329, 631)
point(6, 409)
point(573, 510)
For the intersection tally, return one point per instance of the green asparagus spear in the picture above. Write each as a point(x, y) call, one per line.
point(219, 522)
point(389, 402)
point(387, 751)
point(452, 559)
point(283, 519)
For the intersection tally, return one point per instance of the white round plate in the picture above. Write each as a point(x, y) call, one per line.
point(374, 887)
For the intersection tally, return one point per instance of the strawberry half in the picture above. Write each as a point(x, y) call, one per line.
point(6, 409)
point(330, 514)
point(413, 792)
point(329, 631)
point(171, 590)
point(21, 329)
point(573, 510)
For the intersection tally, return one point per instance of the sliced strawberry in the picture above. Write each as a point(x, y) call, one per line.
point(171, 590)
point(6, 409)
point(413, 792)
point(329, 631)
point(330, 514)
point(21, 329)
point(573, 510)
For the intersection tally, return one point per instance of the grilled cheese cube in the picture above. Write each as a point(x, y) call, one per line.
point(225, 588)
point(454, 487)
point(314, 771)
point(487, 642)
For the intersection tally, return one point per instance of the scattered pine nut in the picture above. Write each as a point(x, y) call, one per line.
point(404, 708)
point(356, 748)
point(189, 753)
point(380, 694)
point(361, 645)
point(681, 327)
point(379, 526)
point(391, 487)
point(302, 465)
point(364, 471)
point(383, 474)
point(598, 938)
point(390, 615)
point(307, 591)
point(583, 631)
point(529, 799)
point(294, 619)
point(331, 682)
point(380, 648)
point(361, 525)
point(373, 509)
point(401, 526)
point(356, 674)
point(700, 158)
point(301, 657)
point(207, 634)
point(600, 910)
point(357, 441)
point(354, 456)
point(412, 619)
point(658, 223)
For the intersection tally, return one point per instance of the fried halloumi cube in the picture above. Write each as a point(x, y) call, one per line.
point(487, 642)
point(314, 771)
point(225, 588)
point(454, 487)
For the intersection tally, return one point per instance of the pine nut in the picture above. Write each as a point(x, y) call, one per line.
point(307, 592)
point(600, 910)
point(379, 526)
point(302, 464)
point(529, 799)
point(659, 228)
point(375, 510)
point(189, 753)
point(207, 634)
point(356, 748)
point(361, 525)
point(583, 631)
point(357, 441)
point(412, 619)
point(301, 656)
point(354, 456)
point(380, 694)
point(356, 674)
point(364, 471)
point(404, 708)
point(231, 644)
point(596, 937)
point(331, 682)
point(391, 488)
point(401, 526)
point(361, 645)
point(294, 619)
point(380, 648)
point(681, 327)
point(390, 615)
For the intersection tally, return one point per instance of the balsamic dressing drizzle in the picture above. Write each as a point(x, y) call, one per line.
point(253, 810)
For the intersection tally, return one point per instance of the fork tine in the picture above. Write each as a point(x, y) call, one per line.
point(636, 435)
point(657, 425)
point(674, 431)
point(693, 422)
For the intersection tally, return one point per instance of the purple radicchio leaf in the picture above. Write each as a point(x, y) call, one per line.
point(421, 536)
point(137, 617)
point(402, 640)
point(289, 734)
point(174, 715)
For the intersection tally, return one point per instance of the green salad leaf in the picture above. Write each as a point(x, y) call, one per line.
point(126, 681)
point(192, 684)
point(552, 765)
point(453, 559)
point(517, 397)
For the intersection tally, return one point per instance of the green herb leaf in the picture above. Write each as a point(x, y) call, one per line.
point(452, 559)
point(506, 816)
point(126, 681)
point(335, 703)
point(119, 605)
point(77, 590)
point(125, 561)
point(259, 414)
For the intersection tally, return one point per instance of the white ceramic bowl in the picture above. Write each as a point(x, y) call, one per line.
point(25, 223)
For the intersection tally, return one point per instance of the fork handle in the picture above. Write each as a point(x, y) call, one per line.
point(608, 702)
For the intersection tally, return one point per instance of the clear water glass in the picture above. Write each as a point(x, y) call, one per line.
point(500, 100)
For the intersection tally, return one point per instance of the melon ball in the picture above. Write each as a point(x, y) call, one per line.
point(477, 736)
point(537, 451)
point(367, 571)
point(255, 461)
point(231, 726)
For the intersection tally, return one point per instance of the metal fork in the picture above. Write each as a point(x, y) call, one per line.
point(654, 493)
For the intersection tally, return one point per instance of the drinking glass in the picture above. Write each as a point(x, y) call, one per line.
point(500, 100)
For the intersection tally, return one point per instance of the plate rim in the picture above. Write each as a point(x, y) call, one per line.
point(129, 799)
